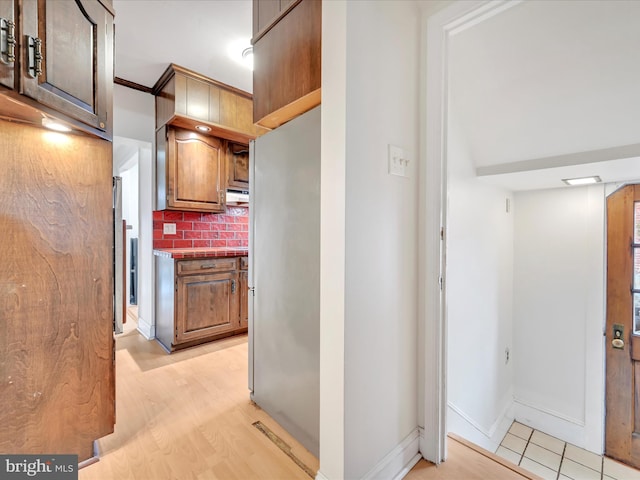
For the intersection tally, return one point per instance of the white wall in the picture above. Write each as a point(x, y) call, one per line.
point(381, 248)
point(559, 310)
point(479, 290)
point(373, 96)
point(133, 114)
point(134, 127)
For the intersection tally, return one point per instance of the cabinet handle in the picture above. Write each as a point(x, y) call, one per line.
point(35, 56)
point(207, 265)
point(7, 41)
point(233, 286)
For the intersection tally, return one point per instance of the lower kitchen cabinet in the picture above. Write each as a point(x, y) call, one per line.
point(199, 300)
point(243, 277)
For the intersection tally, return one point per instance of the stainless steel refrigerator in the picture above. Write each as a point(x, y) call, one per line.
point(284, 276)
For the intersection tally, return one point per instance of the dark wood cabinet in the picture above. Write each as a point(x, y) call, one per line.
point(191, 171)
point(286, 52)
point(64, 53)
point(243, 279)
point(8, 42)
point(188, 99)
point(198, 300)
point(238, 166)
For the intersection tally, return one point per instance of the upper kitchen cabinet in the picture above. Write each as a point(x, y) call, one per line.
point(286, 41)
point(238, 166)
point(191, 171)
point(188, 99)
point(57, 57)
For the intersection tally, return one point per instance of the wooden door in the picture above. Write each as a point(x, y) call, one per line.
point(195, 171)
point(622, 421)
point(238, 166)
point(75, 73)
point(206, 305)
point(8, 41)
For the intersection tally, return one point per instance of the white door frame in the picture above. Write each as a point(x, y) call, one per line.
point(436, 33)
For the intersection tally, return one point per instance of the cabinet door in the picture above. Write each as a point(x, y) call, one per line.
point(206, 305)
point(243, 280)
point(238, 166)
point(67, 58)
point(195, 172)
point(8, 49)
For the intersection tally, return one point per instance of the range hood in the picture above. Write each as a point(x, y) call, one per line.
point(237, 197)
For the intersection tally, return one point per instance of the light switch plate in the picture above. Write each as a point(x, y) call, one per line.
point(398, 162)
point(169, 229)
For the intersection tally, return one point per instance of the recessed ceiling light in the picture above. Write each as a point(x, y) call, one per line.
point(53, 125)
point(203, 128)
point(582, 180)
point(241, 51)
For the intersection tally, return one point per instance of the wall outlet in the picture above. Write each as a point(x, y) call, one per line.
point(398, 161)
point(169, 229)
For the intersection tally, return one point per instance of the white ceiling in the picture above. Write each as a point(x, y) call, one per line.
point(151, 34)
point(546, 79)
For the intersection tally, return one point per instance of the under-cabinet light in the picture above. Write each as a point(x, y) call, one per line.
point(53, 125)
point(582, 180)
point(203, 128)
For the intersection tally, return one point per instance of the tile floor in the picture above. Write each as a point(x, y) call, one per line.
point(553, 459)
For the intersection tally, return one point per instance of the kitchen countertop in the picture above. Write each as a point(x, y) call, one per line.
point(203, 252)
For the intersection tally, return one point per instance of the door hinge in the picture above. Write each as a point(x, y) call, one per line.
point(441, 282)
point(441, 233)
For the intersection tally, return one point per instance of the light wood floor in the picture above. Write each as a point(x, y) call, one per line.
point(188, 416)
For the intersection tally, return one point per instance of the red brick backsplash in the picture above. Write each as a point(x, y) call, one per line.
point(230, 229)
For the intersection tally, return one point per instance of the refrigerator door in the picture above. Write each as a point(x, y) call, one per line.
point(118, 271)
point(284, 254)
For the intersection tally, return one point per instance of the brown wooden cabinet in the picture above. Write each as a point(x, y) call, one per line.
point(238, 166)
point(243, 278)
point(286, 49)
point(191, 171)
point(198, 300)
point(187, 99)
point(63, 59)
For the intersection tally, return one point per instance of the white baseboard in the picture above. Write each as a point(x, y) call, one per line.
point(489, 438)
point(147, 330)
point(558, 425)
point(321, 476)
point(397, 463)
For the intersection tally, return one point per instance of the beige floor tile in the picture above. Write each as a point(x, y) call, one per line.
point(543, 456)
point(520, 430)
point(584, 457)
point(540, 470)
point(607, 477)
point(564, 477)
point(548, 442)
point(619, 471)
point(577, 471)
point(514, 443)
point(510, 455)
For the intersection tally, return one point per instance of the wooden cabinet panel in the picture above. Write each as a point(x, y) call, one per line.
point(186, 99)
point(195, 172)
point(243, 279)
point(238, 166)
point(264, 13)
point(199, 300)
point(287, 73)
point(75, 73)
point(8, 40)
point(56, 346)
point(207, 265)
point(207, 305)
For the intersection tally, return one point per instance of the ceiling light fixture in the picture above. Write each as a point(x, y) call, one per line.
point(247, 57)
point(203, 128)
point(582, 180)
point(53, 125)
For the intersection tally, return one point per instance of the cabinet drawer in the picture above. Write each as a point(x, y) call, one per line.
point(206, 265)
point(244, 263)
